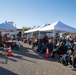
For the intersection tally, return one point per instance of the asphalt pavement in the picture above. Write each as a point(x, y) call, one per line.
point(27, 61)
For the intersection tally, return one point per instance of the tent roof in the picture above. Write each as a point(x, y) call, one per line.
point(36, 28)
point(31, 30)
point(7, 26)
point(58, 26)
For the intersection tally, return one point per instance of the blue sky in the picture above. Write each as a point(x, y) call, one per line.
point(29, 13)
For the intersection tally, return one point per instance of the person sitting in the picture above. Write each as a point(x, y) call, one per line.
point(35, 42)
point(39, 45)
point(50, 45)
point(65, 58)
point(30, 41)
point(68, 44)
point(43, 47)
point(5, 37)
point(74, 59)
point(46, 39)
point(59, 50)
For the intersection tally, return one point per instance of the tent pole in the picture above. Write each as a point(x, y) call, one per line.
point(39, 34)
point(53, 38)
point(39, 38)
point(32, 36)
point(27, 37)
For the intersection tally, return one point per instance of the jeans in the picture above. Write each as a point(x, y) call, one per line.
point(74, 62)
point(43, 48)
point(65, 57)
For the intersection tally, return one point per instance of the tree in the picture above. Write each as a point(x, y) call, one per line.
point(24, 29)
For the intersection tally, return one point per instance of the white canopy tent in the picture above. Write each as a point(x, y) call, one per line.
point(58, 26)
point(31, 30)
point(36, 28)
point(7, 27)
point(28, 31)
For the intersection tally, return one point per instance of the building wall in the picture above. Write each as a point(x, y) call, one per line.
point(12, 23)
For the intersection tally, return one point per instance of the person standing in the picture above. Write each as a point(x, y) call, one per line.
point(1, 45)
point(0, 36)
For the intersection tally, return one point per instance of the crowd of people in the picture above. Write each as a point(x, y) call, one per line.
point(5, 41)
point(65, 48)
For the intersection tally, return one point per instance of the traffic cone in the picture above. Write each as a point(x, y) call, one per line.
point(9, 51)
point(47, 53)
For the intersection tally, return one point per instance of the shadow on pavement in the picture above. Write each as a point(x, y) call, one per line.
point(26, 51)
point(4, 71)
point(4, 59)
point(20, 57)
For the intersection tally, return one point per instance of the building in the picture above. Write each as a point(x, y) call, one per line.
point(12, 23)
